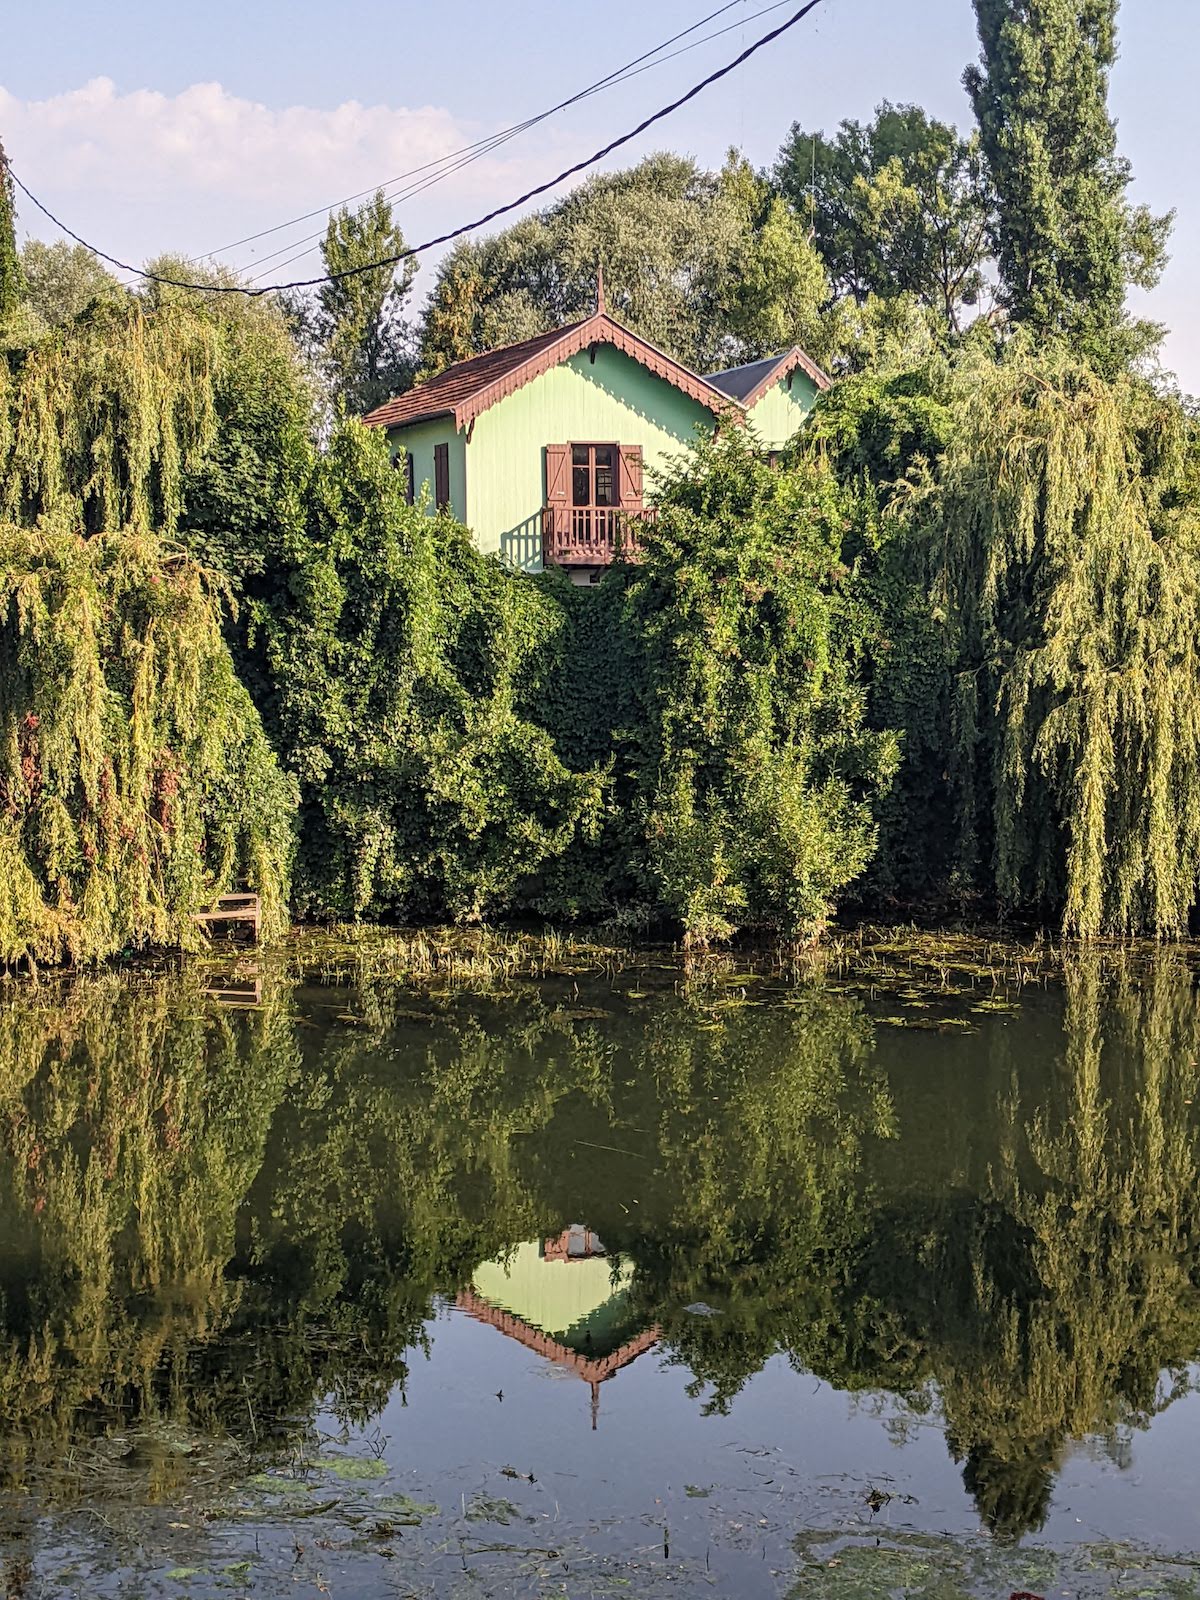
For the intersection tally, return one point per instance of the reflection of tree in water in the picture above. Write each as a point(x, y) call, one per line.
point(220, 1218)
point(1094, 1290)
point(132, 1121)
point(223, 1218)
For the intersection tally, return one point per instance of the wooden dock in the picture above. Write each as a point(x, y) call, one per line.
point(233, 910)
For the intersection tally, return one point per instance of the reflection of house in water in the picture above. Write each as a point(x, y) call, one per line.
point(563, 1298)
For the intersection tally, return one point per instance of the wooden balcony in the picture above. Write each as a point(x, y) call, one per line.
point(589, 536)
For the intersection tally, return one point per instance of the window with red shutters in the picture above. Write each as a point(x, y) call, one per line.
point(441, 475)
point(632, 477)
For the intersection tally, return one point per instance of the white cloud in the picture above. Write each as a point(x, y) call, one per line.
point(142, 172)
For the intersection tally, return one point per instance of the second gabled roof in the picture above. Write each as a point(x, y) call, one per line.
point(470, 387)
point(747, 384)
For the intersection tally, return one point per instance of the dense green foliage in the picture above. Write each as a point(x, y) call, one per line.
point(898, 206)
point(397, 654)
point(1068, 241)
point(135, 780)
point(748, 764)
point(708, 266)
point(1028, 550)
point(354, 327)
point(679, 743)
point(62, 280)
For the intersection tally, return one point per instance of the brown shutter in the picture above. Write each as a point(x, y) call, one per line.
point(556, 475)
point(631, 477)
point(441, 475)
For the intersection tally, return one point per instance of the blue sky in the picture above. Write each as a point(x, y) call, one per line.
point(152, 127)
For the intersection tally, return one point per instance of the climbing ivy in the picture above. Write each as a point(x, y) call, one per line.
point(397, 655)
point(751, 768)
point(713, 677)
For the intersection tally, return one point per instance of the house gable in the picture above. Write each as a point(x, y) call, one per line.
point(780, 411)
point(777, 392)
point(469, 388)
point(596, 396)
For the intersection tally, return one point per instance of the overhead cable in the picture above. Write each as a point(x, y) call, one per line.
point(453, 233)
point(481, 146)
point(434, 172)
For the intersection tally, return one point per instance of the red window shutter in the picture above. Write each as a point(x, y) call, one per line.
point(556, 475)
point(441, 475)
point(631, 477)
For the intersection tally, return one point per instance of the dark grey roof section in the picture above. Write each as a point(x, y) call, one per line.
point(738, 382)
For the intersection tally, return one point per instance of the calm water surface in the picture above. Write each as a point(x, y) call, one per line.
point(602, 1284)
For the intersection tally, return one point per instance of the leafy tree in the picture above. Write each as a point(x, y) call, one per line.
point(395, 652)
point(776, 285)
point(241, 494)
point(61, 280)
point(685, 265)
point(355, 326)
point(752, 771)
point(898, 207)
point(1028, 540)
point(135, 779)
point(1068, 240)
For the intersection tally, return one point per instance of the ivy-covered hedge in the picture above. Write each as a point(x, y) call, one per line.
point(682, 743)
point(397, 657)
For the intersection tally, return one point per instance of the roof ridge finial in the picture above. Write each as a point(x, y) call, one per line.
point(601, 308)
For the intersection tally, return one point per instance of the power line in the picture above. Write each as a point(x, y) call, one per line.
point(476, 152)
point(482, 145)
point(454, 233)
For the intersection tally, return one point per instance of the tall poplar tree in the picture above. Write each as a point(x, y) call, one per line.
point(11, 282)
point(1068, 240)
point(356, 325)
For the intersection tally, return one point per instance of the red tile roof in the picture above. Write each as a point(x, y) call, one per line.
point(470, 387)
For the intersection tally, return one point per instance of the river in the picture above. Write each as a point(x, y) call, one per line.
point(568, 1274)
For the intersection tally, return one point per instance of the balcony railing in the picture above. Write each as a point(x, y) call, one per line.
point(589, 536)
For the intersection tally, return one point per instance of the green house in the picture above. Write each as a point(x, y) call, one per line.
point(542, 448)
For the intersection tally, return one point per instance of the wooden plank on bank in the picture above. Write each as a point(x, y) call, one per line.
point(245, 909)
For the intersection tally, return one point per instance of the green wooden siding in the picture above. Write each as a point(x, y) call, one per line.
point(614, 400)
point(780, 412)
point(419, 440)
point(498, 474)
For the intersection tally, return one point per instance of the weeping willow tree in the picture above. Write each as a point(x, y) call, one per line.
point(1065, 545)
point(1026, 543)
point(105, 419)
point(135, 779)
